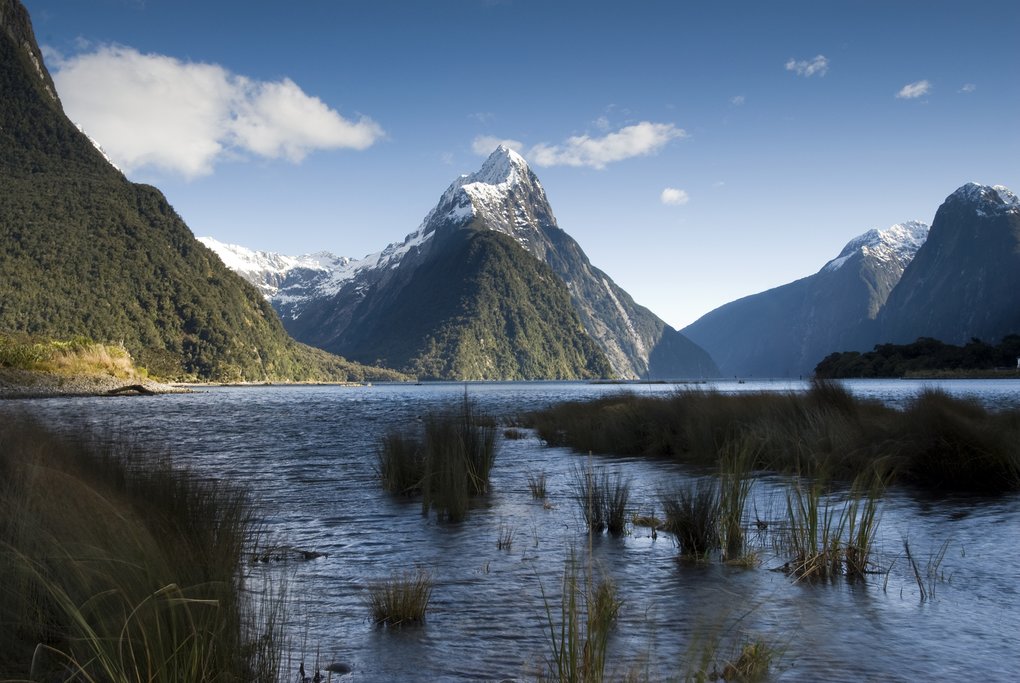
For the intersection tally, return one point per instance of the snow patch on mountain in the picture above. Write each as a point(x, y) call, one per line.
point(898, 243)
point(990, 199)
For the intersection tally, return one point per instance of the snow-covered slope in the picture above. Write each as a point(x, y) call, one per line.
point(896, 244)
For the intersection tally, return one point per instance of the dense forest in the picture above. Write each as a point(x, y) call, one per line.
point(925, 356)
point(86, 253)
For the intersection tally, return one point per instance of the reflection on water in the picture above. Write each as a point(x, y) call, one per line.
point(309, 454)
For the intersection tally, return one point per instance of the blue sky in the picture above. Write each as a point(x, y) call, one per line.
point(699, 152)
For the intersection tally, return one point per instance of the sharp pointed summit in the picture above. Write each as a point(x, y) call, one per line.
point(499, 220)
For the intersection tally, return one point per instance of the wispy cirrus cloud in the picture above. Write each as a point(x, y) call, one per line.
point(818, 66)
point(738, 100)
point(150, 110)
point(912, 91)
point(968, 88)
point(672, 196)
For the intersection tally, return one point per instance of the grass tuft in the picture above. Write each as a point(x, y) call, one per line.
point(402, 599)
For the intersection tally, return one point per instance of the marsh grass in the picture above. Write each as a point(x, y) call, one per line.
point(537, 485)
point(579, 638)
point(934, 442)
point(447, 465)
point(402, 599)
point(735, 481)
point(932, 573)
point(827, 537)
point(119, 565)
point(505, 535)
point(401, 464)
point(602, 498)
point(692, 516)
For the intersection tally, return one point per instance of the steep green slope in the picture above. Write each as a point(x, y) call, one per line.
point(85, 252)
point(482, 309)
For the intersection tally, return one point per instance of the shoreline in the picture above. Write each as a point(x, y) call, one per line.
point(22, 384)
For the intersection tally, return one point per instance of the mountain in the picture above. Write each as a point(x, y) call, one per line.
point(83, 251)
point(363, 308)
point(964, 281)
point(786, 331)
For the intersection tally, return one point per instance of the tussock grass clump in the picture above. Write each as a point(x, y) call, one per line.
point(692, 516)
point(401, 464)
point(828, 538)
point(401, 599)
point(602, 498)
point(936, 442)
point(120, 566)
point(579, 642)
point(447, 465)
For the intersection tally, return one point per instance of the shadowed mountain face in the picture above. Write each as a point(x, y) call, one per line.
point(359, 307)
point(85, 252)
point(786, 331)
point(964, 282)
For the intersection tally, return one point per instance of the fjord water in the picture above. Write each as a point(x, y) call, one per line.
point(309, 455)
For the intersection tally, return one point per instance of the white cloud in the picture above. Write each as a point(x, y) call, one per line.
point(583, 150)
point(672, 196)
point(184, 117)
point(817, 66)
point(738, 100)
point(968, 87)
point(914, 90)
point(484, 144)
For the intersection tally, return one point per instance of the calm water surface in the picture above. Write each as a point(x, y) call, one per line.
point(309, 454)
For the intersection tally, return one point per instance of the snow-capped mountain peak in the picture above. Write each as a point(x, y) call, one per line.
point(990, 199)
point(898, 243)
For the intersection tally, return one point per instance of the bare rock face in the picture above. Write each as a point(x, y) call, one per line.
point(964, 281)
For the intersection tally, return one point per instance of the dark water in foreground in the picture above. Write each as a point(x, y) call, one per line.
point(309, 453)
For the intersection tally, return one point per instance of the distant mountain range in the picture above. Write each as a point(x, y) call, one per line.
point(85, 252)
point(488, 287)
point(958, 280)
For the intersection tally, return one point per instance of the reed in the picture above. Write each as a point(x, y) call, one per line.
point(692, 516)
point(735, 481)
point(936, 442)
point(402, 599)
point(447, 465)
point(602, 498)
point(505, 535)
point(537, 485)
point(579, 639)
point(401, 464)
point(119, 565)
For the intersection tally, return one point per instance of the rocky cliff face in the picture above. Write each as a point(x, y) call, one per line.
point(786, 331)
point(965, 281)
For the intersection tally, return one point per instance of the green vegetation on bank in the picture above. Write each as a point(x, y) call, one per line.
point(69, 357)
point(926, 357)
point(937, 441)
point(484, 308)
point(85, 253)
point(119, 566)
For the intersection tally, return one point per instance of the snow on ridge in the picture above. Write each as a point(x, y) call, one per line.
point(991, 199)
point(900, 242)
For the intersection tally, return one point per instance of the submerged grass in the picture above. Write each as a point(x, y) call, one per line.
point(447, 465)
point(935, 442)
point(402, 599)
point(602, 499)
point(119, 565)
